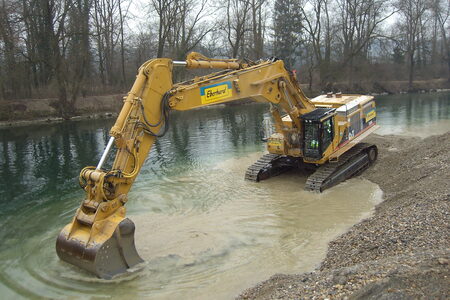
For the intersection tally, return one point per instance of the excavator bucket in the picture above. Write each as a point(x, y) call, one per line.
point(105, 256)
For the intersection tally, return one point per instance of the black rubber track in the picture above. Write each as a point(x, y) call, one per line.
point(262, 165)
point(351, 163)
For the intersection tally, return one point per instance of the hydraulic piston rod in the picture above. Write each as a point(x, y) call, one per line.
point(198, 61)
point(178, 63)
point(105, 153)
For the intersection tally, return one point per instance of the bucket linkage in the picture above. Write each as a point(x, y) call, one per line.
point(99, 239)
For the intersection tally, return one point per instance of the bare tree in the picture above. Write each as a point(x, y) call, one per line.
point(188, 30)
point(8, 37)
point(50, 48)
point(359, 26)
point(411, 12)
point(441, 15)
point(258, 22)
point(68, 28)
point(235, 24)
point(166, 11)
point(319, 28)
point(108, 26)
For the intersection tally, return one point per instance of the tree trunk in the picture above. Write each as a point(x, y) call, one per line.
point(122, 46)
point(411, 71)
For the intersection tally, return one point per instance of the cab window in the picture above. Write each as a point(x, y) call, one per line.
point(327, 133)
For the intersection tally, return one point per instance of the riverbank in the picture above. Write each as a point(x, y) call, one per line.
point(403, 250)
point(24, 112)
point(390, 87)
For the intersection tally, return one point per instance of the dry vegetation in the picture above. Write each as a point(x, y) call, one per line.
point(66, 49)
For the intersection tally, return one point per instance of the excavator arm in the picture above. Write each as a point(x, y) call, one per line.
point(100, 238)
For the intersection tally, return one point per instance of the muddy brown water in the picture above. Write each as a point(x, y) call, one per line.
point(203, 231)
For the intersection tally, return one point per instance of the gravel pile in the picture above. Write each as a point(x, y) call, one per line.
point(401, 252)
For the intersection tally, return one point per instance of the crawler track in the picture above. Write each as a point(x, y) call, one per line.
point(350, 164)
point(263, 168)
point(353, 162)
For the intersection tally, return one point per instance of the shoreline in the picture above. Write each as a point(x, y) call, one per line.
point(56, 120)
point(41, 111)
point(402, 251)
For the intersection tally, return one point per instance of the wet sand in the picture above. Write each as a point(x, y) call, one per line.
point(403, 251)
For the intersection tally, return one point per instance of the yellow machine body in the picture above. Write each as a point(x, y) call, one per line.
point(100, 238)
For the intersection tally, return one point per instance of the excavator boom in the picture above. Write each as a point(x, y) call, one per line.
point(100, 238)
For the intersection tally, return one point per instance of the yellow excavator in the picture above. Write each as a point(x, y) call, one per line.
point(321, 134)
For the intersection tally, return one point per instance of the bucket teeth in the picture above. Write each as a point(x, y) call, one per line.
point(114, 256)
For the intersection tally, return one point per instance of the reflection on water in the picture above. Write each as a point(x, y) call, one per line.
point(201, 228)
point(414, 114)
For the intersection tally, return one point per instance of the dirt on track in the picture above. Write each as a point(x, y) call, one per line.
point(403, 250)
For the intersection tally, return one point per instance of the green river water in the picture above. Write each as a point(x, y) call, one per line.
point(203, 231)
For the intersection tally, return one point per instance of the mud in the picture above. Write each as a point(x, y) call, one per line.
point(401, 252)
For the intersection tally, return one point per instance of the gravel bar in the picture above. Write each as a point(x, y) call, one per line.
point(403, 250)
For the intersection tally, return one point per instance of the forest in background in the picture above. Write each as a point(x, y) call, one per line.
point(71, 48)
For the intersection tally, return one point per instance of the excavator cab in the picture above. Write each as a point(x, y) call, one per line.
point(318, 132)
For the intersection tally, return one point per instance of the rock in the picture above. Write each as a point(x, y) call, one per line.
point(341, 280)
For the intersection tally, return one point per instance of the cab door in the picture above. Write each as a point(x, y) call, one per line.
point(327, 133)
point(318, 136)
point(311, 144)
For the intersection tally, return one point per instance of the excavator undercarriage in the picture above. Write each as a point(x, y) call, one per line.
point(325, 176)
